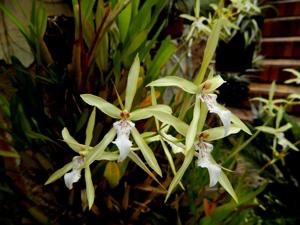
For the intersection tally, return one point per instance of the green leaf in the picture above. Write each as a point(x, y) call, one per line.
point(132, 83)
point(13, 154)
point(147, 112)
point(15, 20)
point(98, 150)
point(59, 173)
point(112, 174)
point(146, 151)
point(124, 21)
point(90, 190)
point(90, 128)
point(41, 22)
point(177, 178)
point(73, 144)
point(180, 82)
point(180, 126)
point(192, 130)
point(104, 106)
point(135, 43)
point(223, 180)
point(218, 133)
point(162, 56)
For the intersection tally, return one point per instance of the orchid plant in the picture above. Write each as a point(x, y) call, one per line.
point(194, 140)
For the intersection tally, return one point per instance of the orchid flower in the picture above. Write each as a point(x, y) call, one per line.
point(204, 160)
point(213, 107)
point(125, 124)
point(122, 141)
point(78, 161)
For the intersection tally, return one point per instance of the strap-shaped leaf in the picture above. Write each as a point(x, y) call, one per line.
point(73, 144)
point(218, 133)
point(180, 82)
point(132, 81)
point(90, 128)
point(147, 112)
point(104, 106)
point(187, 161)
point(59, 173)
point(99, 148)
point(124, 21)
point(13, 153)
point(146, 151)
point(223, 180)
point(192, 130)
point(90, 190)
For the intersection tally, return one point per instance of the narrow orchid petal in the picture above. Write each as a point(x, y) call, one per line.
point(74, 175)
point(122, 141)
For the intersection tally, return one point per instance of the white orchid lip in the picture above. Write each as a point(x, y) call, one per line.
point(123, 128)
point(281, 140)
point(204, 160)
point(75, 174)
point(212, 105)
